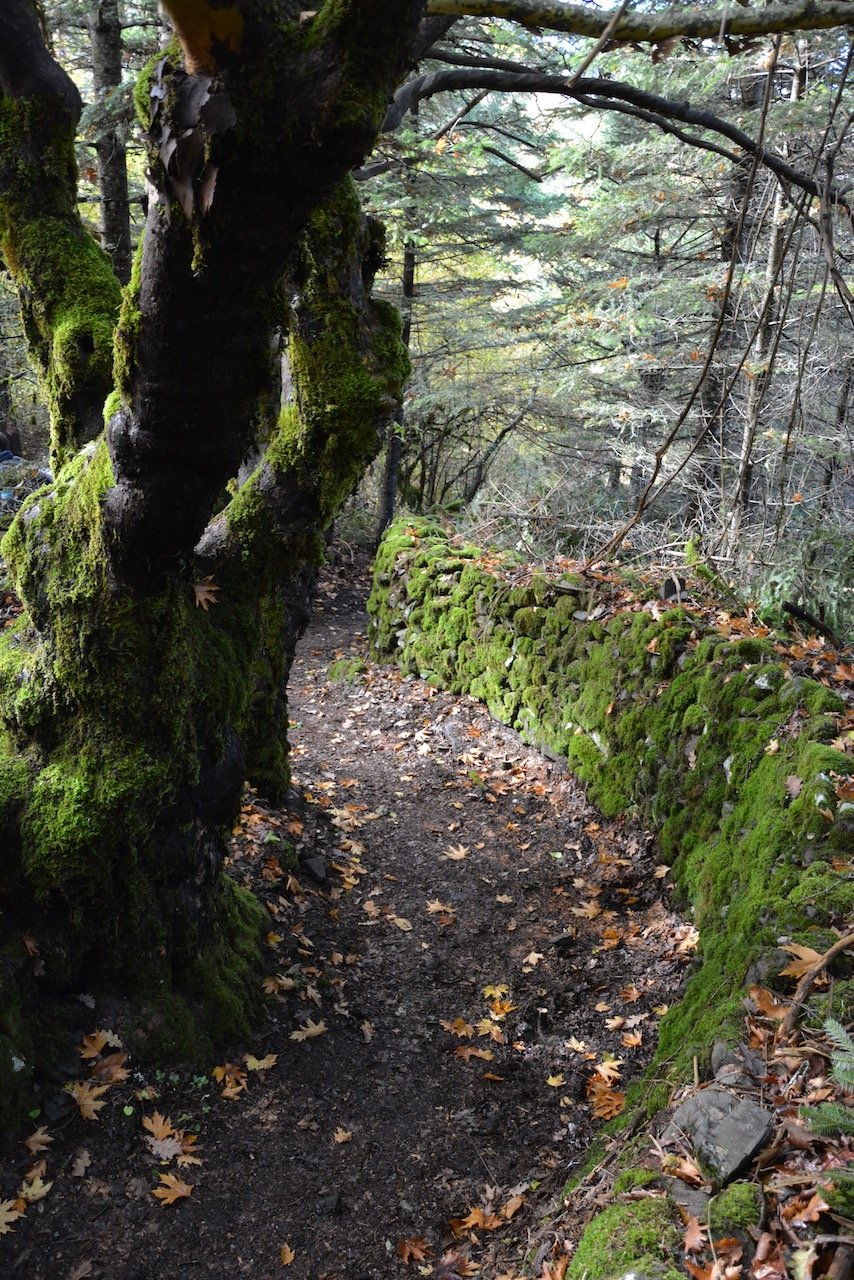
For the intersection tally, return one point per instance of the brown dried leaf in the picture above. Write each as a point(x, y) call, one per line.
point(88, 1097)
point(38, 1141)
point(10, 1211)
point(413, 1249)
point(94, 1044)
point(695, 1236)
point(172, 1189)
point(804, 960)
point(309, 1030)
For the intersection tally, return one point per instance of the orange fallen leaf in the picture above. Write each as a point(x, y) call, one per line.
point(512, 1207)
point(342, 1135)
point(172, 1189)
point(468, 1051)
point(286, 1255)
point(93, 1044)
point(414, 1249)
point(695, 1236)
point(88, 1097)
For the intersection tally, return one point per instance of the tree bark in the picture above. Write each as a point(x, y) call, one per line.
point(105, 36)
point(128, 717)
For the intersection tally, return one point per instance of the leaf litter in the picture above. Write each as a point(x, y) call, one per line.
point(451, 927)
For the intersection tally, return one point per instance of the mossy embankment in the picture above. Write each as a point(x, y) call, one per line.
point(707, 736)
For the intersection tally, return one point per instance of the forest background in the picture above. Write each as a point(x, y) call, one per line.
point(619, 341)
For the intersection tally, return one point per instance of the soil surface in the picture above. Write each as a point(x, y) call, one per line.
point(466, 962)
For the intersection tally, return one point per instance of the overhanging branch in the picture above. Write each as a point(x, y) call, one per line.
point(696, 24)
point(606, 94)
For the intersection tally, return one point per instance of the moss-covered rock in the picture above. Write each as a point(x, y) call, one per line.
point(636, 1236)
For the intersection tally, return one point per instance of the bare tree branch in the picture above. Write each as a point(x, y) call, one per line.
point(697, 24)
point(606, 92)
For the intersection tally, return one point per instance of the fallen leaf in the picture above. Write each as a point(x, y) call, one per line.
point(9, 1213)
point(480, 1219)
point(310, 1030)
point(458, 1027)
point(80, 1163)
point(34, 1190)
point(172, 1189)
point(456, 852)
point(414, 1249)
point(260, 1064)
point(88, 1097)
point(631, 1039)
point(495, 993)
point(342, 1135)
point(532, 959)
point(767, 1003)
point(401, 923)
point(468, 1051)
point(512, 1207)
point(434, 907)
point(695, 1236)
point(111, 1070)
point(94, 1044)
point(588, 910)
point(555, 1082)
point(286, 1255)
point(38, 1141)
point(367, 1030)
point(805, 959)
point(606, 1102)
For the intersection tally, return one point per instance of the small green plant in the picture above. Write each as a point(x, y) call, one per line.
point(836, 1117)
point(829, 1118)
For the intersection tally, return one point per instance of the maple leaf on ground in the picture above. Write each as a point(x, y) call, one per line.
point(608, 1070)
point(435, 907)
point(479, 1219)
point(309, 1030)
point(9, 1213)
point(631, 1039)
point(588, 910)
point(496, 992)
point(38, 1141)
point(34, 1189)
point(342, 1135)
point(456, 852)
point(93, 1045)
point(88, 1097)
point(171, 1189)
point(486, 1027)
point(260, 1064)
point(459, 1027)
point(606, 1102)
point(111, 1070)
point(413, 1249)
point(158, 1126)
point(556, 1082)
point(286, 1255)
point(468, 1051)
point(232, 1078)
point(80, 1163)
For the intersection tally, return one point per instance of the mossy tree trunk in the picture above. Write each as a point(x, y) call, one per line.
point(129, 718)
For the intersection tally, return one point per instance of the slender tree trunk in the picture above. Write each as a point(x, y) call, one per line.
point(105, 35)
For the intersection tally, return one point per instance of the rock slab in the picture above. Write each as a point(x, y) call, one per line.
point(725, 1130)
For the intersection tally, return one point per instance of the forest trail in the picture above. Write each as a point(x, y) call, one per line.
point(481, 969)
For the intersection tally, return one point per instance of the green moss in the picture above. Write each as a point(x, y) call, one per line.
point(660, 718)
point(347, 670)
point(629, 1179)
point(626, 1237)
point(735, 1209)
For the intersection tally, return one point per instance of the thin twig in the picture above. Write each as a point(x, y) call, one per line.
point(805, 984)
